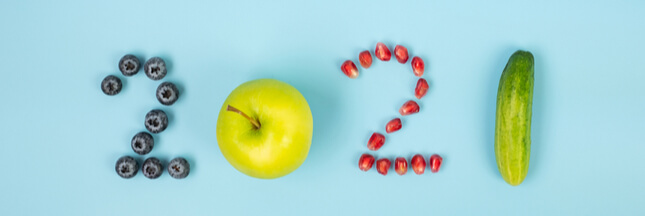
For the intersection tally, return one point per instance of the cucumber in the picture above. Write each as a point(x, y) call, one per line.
point(513, 118)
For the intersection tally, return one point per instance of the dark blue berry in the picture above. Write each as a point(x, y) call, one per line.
point(156, 121)
point(167, 93)
point(111, 85)
point(126, 167)
point(142, 143)
point(129, 65)
point(178, 168)
point(155, 68)
point(152, 168)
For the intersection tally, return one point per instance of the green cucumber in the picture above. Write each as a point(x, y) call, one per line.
point(513, 118)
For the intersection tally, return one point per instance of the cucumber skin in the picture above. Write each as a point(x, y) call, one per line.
point(513, 118)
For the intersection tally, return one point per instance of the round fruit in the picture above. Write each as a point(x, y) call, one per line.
point(264, 128)
point(167, 93)
point(156, 121)
point(126, 167)
point(111, 85)
point(178, 168)
point(142, 143)
point(155, 68)
point(152, 168)
point(129, 65)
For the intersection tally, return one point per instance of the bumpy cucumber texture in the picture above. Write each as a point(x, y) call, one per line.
point(513, 118)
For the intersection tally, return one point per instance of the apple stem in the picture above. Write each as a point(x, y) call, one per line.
point(256, 123)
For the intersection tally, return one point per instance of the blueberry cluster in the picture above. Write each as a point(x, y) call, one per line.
point(127, 167)
point(155, 122)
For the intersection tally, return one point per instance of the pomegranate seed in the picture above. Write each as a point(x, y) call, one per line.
point(383, 165)
point(349, 69)
point(417, 66)
point(376, 141)
point(401, 54)
point(418, 164)
point(421, 89)
point(382, 52)
point(366, 162)
point(409, 108)
point(393, 126)
point(435, 163)
point(365, 58)
point(400, 166)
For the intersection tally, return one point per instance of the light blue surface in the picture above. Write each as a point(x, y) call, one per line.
point(60, 135)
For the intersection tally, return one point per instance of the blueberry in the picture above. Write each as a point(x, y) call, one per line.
point(129, 65)
point(152, 168)
point(142, 143)
point(156, 121)
point(167, 93)
point(178, 168)
point(111, 85)
point(126, 167)
point(155, 68)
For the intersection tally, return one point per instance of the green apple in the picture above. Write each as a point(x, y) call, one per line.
point(264, 128)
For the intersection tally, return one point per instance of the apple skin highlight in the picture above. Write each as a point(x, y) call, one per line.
point(281, 144)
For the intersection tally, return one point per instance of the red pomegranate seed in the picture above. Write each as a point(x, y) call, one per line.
point(366, 162)
point(435, 163)
point(365, 58)
point(418, 164)
point(382, 52)
point(383, 165)
point(349, 69)
point(376, 141)
point(409, 108)
point(421, 89)
point(401, 54)
point(400, 166)
point(393, 126)
point(417, 66)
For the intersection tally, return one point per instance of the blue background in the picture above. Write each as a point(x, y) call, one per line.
point(60, 135)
